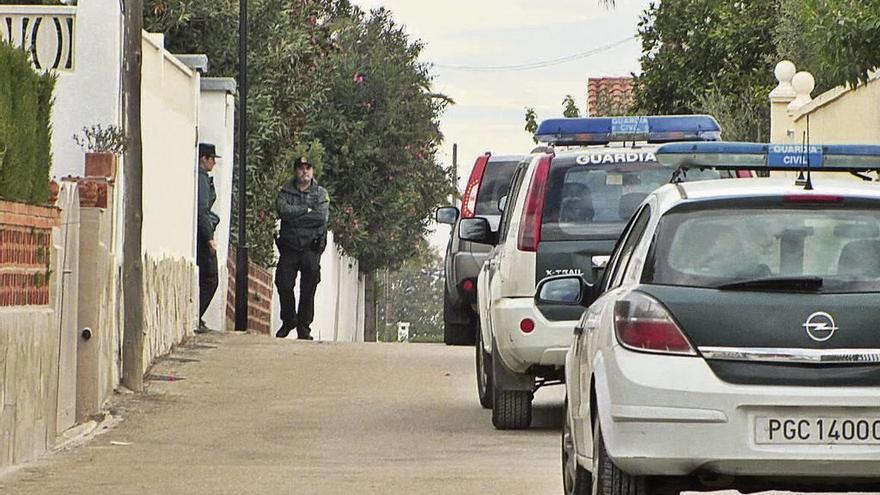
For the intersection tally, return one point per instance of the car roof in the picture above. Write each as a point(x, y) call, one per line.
point(672, 194)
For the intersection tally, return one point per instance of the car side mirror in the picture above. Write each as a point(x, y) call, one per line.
point(447, 215)
point(477, 230)
point(566, 290)
point(502, 203)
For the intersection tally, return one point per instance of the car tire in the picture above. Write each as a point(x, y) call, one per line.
point(455, 333)
point(575, 479)
point(607, 477)
point(511, 409)
point(483, 367)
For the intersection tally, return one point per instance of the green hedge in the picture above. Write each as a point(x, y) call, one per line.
point(25, 127)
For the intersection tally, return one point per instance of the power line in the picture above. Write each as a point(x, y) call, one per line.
point(537, 65)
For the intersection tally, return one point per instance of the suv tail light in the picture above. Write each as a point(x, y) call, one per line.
point(643, 324)
point(529, 235)
point(469, 200)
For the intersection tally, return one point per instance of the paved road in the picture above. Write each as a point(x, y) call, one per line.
point(255, 415)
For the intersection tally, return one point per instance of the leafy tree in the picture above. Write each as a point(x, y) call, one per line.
point(744, 116)
point(531, 123)
point(570, 108)
point(380, 128)
point(697, 52)
point(836, 40)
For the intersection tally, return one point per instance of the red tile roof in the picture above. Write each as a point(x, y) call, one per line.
point(609, 95)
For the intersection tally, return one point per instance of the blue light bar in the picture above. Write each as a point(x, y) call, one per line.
point(603, 130)
point(723, 155)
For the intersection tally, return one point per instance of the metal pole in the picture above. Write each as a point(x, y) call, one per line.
point(455, 171)
point(241, 258)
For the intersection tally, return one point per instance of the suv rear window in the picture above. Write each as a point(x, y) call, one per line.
point(494, 186)
point(595, 200)
point(714, 247)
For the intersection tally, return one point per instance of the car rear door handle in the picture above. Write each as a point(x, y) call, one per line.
point(578, 330)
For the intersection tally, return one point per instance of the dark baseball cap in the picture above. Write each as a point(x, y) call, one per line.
point(301, 161)
point(209, 150)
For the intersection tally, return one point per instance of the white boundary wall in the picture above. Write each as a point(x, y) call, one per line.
point(170, 116)
point(217, 126)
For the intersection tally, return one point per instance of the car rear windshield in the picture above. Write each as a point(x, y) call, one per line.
point(717, 247)
point(494, 186)
point(594, 200)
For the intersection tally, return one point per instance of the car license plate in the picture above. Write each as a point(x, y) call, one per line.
point(834, 430)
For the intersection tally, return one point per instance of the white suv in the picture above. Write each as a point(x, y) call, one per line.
point(563, 215)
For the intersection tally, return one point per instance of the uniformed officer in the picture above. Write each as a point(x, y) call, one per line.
point(303, 207)
point(206, 246)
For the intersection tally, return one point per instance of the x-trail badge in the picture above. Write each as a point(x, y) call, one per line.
point(820, 326)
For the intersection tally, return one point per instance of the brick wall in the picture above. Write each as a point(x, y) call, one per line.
point(260, 287)
point(25, 247)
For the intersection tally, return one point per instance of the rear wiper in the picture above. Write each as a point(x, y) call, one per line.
point(775, 283)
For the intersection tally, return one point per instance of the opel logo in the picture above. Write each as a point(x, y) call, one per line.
point(820, 326)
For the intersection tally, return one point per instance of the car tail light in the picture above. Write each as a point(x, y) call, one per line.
point(643, 324)
point(813, 198)
point(469, 200)
point(527, 325)
point(468, 285)
point(529, 235)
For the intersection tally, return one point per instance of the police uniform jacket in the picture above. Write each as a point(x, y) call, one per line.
point(303, 216)
point(207, 219)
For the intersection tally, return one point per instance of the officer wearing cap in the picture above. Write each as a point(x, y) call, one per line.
point(304, 208)
point(206, 246)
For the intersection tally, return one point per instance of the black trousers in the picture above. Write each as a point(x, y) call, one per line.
point(208, 276)
point(306, 263)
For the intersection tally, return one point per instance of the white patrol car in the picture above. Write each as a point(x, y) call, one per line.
point(734, 343)
point(563, 215)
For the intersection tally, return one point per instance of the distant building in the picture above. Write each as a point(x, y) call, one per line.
point(608, 96)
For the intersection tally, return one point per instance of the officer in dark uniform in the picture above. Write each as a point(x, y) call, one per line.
point(206, 246)
point(303, 207)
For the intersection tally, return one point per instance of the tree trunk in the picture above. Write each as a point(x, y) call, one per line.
point(132, 267)
point(369, 307)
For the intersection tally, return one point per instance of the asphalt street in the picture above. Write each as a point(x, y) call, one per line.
point(238, 413)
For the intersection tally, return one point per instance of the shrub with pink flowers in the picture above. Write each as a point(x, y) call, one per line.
point(327, 79)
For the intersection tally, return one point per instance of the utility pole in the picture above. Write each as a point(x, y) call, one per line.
point(455, 172)
point(133, 267)
point(241, 256)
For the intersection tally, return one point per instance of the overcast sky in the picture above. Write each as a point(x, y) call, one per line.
point(490, 106)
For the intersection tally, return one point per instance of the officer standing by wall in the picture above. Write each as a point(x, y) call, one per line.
point(304, 208)
point(206, 246)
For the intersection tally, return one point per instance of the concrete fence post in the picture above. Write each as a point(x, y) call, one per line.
point(781, 122)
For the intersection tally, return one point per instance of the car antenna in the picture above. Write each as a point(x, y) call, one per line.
point(809, 185)
point(801, 180)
